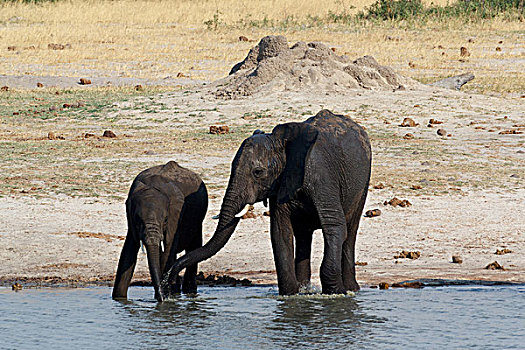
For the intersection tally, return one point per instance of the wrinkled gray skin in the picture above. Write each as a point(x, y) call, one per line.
point(166, 203)
point(315, 175)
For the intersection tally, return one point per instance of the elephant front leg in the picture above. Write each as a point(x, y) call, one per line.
point(282, 245)
point(126, 266)
point(303, 250)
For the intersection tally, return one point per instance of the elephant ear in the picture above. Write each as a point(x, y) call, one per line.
point(297, 139)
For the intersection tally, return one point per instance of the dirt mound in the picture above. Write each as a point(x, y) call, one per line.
point(274, 66)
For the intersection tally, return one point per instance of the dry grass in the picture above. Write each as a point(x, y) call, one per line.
point(156, 39)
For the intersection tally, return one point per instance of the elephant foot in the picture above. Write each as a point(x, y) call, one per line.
point(160, 296)
point(333, 290)
point(189, 287)
point(352, 286)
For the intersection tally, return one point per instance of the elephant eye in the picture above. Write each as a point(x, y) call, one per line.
point(258, 172)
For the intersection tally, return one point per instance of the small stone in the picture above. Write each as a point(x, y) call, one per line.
point(372, 213)
point(498, 49)
point(411, 64)
point(51, 135)
point(398, 202)
point(416, 187)
point(85, 81)
point(463, 52)
point(219, 130)
point(4, 88)
point(441, 132)
point(249, 214)
point(11, 48)
point(494, 266)
point(16, 287)
point(408, 136)
point(408, 122)
point(361, 263)
point(415, 284)
point(266, 213)
point(503, 251)
point(180, 75)
point(88, 135)
point(139, 88)
point(383, 285)
point(379, 186)
point(510, 132)
point(470, 40)
point(408, 255)
point(456, 259)
point(39, 85)
point(434, 121)
point(243, 38)
point(109, 134)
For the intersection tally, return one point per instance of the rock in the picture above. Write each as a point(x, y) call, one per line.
point(361, 263)
point(463, 52)
point(408, 136)
point(383, 285)
point(455, 82)
point(58, 46)
point(88, 135)
point(84, 81)
point(139, 88)
point(498, 49)
point(243, 38)
point(39, 85)
point(408, 122)
point(433, 121)
point(181, 75)
point(11, 48)
point(4, 88)
point(441, 132)
point(415, 284)
point(503, 251)
point(408, 255)
point(416, 187)
point(411, 64)
point(266, 213)
point(219, 130)
point(249, 214)
point(494, 266)
point(109, 134)
point(379, 186)
point(398, 202)
point(510, 132)
point(16, 287)
point(51, 135)
point(372, 213)
point(456, 259)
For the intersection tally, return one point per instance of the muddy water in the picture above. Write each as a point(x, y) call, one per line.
point(256, 318)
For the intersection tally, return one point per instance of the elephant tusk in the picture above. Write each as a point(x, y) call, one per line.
point(142, 247)
point(162, 246)
point(244, 211)
point(215, 217)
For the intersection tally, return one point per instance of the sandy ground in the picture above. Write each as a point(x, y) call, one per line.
point(472, 199)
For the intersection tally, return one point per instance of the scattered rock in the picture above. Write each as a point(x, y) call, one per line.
point(503, 251)
point(470, 40)
point(11, 48)
point(433, 121)
point(398, 202)
point(379, 186)
point(16, 287)
point(250, 214)
point(88, 135)
point(416, 187)
point(53, 136)
point(408, 255)
point(58, 46)
point(456, 259)
point(441, 132)
point(361, 263)
point(494, 266)
point(372, 213)
point(84, 81)
point(181, 75)
point(243, 38)
point(411, 64)
point(39, 85)
point(139, 88)
point(408, 136)
point(266, 213)
point(415, 284)
point(498, 49)
point(463, 52)
point(109, 134)
point(383, 285)
point(219, 130)
point(274, 66)
point(4, 88)
point(408, 122)
point(510, 132)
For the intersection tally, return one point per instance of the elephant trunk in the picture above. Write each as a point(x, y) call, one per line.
point(231, 205)
point(153, 246)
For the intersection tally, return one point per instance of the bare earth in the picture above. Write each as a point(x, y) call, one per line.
point(471, 201)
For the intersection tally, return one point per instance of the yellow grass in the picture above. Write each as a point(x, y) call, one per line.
point(159, 38)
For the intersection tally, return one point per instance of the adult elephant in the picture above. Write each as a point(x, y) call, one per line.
point(165, 209)
point(315, 175)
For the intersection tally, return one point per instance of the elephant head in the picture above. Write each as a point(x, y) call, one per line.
point(266, 165)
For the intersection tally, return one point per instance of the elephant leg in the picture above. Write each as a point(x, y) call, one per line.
point(348, 258)
point(303, 249)
point(282, 245)
point(126, 266)
point(333, 225)
point(189, 284)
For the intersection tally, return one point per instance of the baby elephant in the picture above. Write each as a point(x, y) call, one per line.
point(165, 209)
